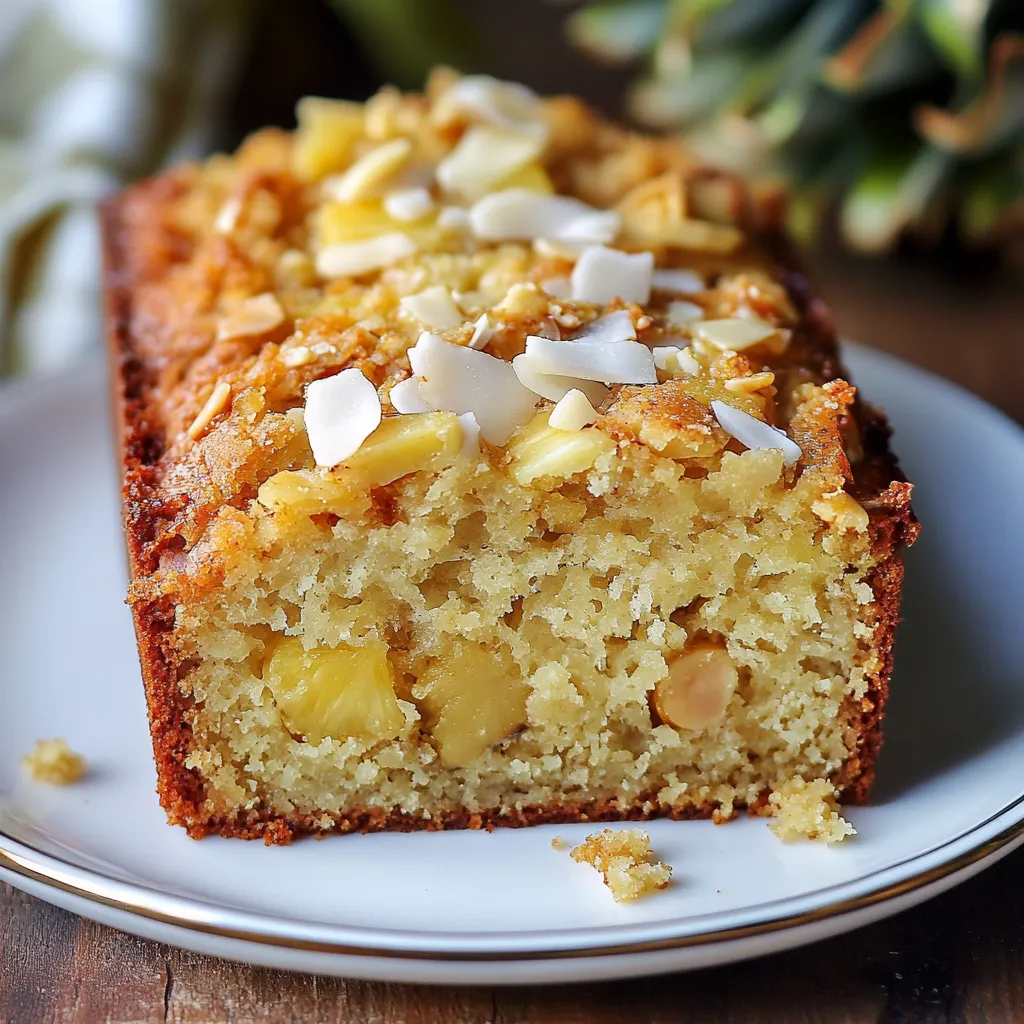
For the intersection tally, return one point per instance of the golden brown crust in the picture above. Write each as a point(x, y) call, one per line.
point(141, 246)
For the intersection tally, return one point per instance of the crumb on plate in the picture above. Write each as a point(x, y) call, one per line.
point(558, 843)
point(624, 858)
point(55, 762)
point(808, 810)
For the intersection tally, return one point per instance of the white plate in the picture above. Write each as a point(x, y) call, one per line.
point(503, 907)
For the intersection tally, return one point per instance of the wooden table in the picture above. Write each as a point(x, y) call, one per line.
point(958, 958)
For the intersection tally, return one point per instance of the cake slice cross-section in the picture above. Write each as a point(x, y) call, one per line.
point(487, 464)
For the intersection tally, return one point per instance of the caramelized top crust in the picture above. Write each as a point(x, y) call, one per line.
point(234, 309)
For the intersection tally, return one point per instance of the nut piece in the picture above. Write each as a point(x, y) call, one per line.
point(541, 451)
point(697, 690)
point(840, 509)
point(252, 317)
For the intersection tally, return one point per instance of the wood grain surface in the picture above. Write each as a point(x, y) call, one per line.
point(959, 958)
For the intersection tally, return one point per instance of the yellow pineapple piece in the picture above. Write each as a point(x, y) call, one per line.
point(543, 451)
point(473, 697)
point(308, 492)
point(326, 137)
point(338, 223)
point(405, 444)
point(334, 691)
point(531, 176)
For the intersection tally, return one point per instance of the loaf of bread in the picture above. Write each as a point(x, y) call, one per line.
point(487, 464)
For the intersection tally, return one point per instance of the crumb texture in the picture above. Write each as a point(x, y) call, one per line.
point(53, 761)
point(808, 810)
point(623, 857)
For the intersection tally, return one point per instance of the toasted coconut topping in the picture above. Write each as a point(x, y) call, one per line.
point(615, 362)
point(351, 258)
point(755, 433)
point(617, 326)
point(732, 333)
point(485, 156)
point(409, 204)
point(603, 274)
point(519, 214)
point(341, 413)
point(680, 313)
point(434, 308)
point(370, 172)
point(482, 332)
point(405, 397)
point(554, 386)
point(678, 282)
point(573, 412)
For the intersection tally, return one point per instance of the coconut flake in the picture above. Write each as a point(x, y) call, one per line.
point(517, 214)
point(405, 397)
point(681, 282)
point(573, 412)
point(408, 204)
point(453, 218)
point(366, 176)
point(227, 216)
point(754, 433)
point(483, 98)
point(553, 386)
point(255, 315)
point(470, 436)
point(351, 258)
point(557, 287)
point(458, 379)
point(680, 313)
point(615, 362)
point(602, 274)
point(484, 156)
point(482, 332)
point(671, 358)
point(341, 413)
point(434, 307)
point(617, 326)
point(732, 334)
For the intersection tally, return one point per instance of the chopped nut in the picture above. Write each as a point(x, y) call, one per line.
point(434, 308)
point(370, 172)
point(542, 451)
point(843, 510)
point(251, 317)
point(485, 156)
point(697, 690)
point(299, 355)
point(624, 859)
point(733, 333)
point(751, 383)
point(573, 412)
point(214, 405)
point(55, 762)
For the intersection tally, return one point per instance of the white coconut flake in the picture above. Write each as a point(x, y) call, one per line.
point(665, 356)
point(483, 98)
point(680, 282)
point(680, 313)
point(350, 258)
point(405, 397)
point(369, 173)
point(485, 156)
point(616, 362)
point(557, 287)
point(460, 380)
point(754, 433)
point(408, 204)
point(573, 412)
point(470, 436)
point(482, 332)
point(617, 326)
point(227, 216)
point(732, 334)
point(434, 307)
point(556, 250)
point(602, 274)
point(553, 386)
point(341, 413)
point(453, 218)
point(517, 214)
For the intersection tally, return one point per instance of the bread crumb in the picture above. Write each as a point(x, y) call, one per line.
point(558, 843)
point(624, 858)
point(808, 810)
point(55, 762)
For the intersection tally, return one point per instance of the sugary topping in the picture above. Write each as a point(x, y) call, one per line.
point(623, 857)
point(509, 251)
point(53, 761)
point(341, 413)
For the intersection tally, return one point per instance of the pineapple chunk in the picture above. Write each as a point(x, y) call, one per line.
point(532, 177)
point(334, 691)
point(543, 451)
point(327, 134)
point(308, 492)
point(337, 223)
point(474, 697)
point(405, 444)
